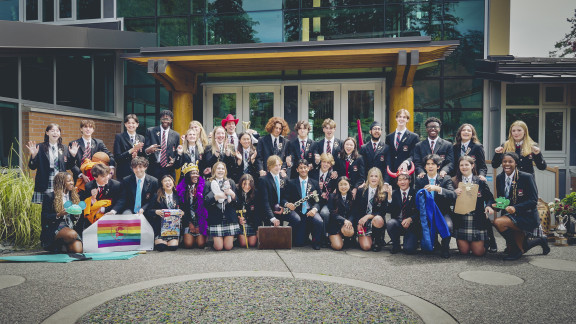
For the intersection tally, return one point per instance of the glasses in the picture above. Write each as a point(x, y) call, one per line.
point(376, 128)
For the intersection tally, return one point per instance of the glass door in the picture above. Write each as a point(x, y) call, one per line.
point(361, 101)
point(221, 101)
point(259, 105)
point(318, 103)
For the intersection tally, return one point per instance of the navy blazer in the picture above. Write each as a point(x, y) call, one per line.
point(154, 136)
point(328, 186)
point(41, 163)
point(155, 220)
point(210, 158)
point(48, 220)
point(113, 190)
point(411, 210)
point(475, 151)
point(404, 152)
point(294, 193)
point(95, 146)
point(295, 152)
point(356, 171)
point(340, 210)
point(252, 215)
point(149, 189)
point(485, 198)
point(360, 205)
point(441, 147)
point(444, 200)
point(215, 214)
point(265, 149)
point(526, 197)
point(378, 158)
point(337, 146)
point(268, 197)
point(526, 162)
point(122, 145)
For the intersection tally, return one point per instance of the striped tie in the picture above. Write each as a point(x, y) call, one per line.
point(87, 152)
point(163, 159)
point(397, 140)
point(328, 148)
point(302, 150)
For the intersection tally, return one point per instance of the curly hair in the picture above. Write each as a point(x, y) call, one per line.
point(60, 189)
point(275, 120)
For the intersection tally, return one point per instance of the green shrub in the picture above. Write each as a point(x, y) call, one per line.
point(19, 217)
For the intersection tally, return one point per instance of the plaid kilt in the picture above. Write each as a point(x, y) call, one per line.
point(38, 196)
point(468, 232)
point(224, 229)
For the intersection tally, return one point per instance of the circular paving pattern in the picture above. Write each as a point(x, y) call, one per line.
point(491, 278)
point(554, 264)
point(253, 299)
point(9, 281)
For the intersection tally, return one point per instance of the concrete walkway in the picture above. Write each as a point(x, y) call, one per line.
point(461, 289)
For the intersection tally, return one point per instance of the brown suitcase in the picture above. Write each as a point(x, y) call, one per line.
point(274, 237)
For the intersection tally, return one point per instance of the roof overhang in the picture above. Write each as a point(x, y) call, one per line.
point(18, 37)
point(527, 69)
point(331, 54)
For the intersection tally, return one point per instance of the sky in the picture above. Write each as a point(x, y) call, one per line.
point(530, 39)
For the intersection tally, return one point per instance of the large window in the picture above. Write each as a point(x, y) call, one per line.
point(9, 79)
point(9, 10)
point(8, 133)
point(38, 79)
point(65, 10)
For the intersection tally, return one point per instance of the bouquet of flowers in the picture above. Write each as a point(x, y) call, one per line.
point(564, 207)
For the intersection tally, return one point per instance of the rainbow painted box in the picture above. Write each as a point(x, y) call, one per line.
point(114, 233)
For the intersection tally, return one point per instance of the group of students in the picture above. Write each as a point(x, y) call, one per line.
point(331, 190)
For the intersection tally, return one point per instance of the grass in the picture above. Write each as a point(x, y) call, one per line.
point(19, 217)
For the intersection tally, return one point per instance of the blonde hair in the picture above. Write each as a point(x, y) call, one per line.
point(380, 193)
point(272, 160)
point(327, 158)
point(202, 135)
point(198, 143)
point(406, 112)
point(328, 123)
point(215, 146)
point(59, 190)
point(214, 170)
point(528, 142)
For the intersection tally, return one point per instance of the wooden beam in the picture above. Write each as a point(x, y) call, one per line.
point(173, 77)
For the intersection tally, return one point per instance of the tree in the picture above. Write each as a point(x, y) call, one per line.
point(566, 47)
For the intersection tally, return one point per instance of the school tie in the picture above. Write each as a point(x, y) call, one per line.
point(328, 148)
point(55, 154)
point(403, 209)
point(347, 166)
point(276, 145)
point(87, 152)
point(100, 192)
point(138, 198)
point(404, 197)
point(193, 154)
point(132, 139)
point(302, 149)
point(163, 158)
point(397, 139)
point(432, 146)
point(246, 160)
point(463, 150)
point(374, 146)
point(370, 201)
point(305, 204)
point(508, 185)
point(433, 182)
point(277, 181)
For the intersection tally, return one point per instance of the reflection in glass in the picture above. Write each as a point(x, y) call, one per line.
point(261, 109)
point(173, 32)
point(198, 6)
point(135, 8)
point(554, 94)
point(74, 81)
point(140, 25)
point(8, 133)
point(553, 131)
point(522, 94)
point(426, 94)
point(173, 7)
point(31, 9)
point(197, 30)
point(463, 93)
point(360, 106)
point(142, 102)
point(530, 116)
point(88, 9)
point(137, 75)
point(223, 104)
point(65, 9)
point(38, 79)
point(108, 10)
point(291, 108)
point(320, 107)
point(231, 29)
point(9, 10)
point(451, 120)
point(104, 83)
point(9, 79)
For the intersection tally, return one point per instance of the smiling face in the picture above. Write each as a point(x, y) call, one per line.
point(102, 179)
point(508, 164)
point(167, 184)
point(402, 119)
point(404, 182)
point(373, 179)
point(245, 141)
point(517, 133)
point(53, 134)
point(87, 131)
point(220, 171)
point(329, 131)
point(220, 135)
point(466, 168)
point(246, 186)
point(131, 125)
point(277, 130)
point(376, 132)
point(69, 183)
point(343, 187)
point(194, 175)
point(433, 129)
point(231, 127)
point(139, 171)
point(349, 146)
point(303, 171)
point(165, 121)
point(275, 169)
point(466, 133)
point(191, 136)
point(303, 132)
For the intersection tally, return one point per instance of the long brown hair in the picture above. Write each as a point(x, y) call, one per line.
point(252, 193)
point(160, 192)
point(354, 154)
point(458, 178)
point(60, 189)
point(474, 138)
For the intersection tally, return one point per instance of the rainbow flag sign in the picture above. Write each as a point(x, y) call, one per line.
point(115, 233)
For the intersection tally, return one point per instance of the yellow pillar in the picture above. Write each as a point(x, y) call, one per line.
point(401, 98)
point(183, 113)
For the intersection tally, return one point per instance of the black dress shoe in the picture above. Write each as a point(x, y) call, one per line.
point(445, 254)
point(492, 250)
point(395, 249)
point(316, 246)
point(545, 247)
point(376, 247)
point(512, 256)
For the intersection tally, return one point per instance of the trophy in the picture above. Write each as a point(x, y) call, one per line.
point(246, 125)
point(561, 230)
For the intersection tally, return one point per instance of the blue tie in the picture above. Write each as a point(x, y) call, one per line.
point(277, 187)
point(433, 182)
point(138, 200)
point(305, 204)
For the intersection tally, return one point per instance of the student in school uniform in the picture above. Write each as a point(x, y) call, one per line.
point(127, 145)
point(434, 145)
point(375, 152)
point(369, 212)
point(165, 198)
point(341, 223)
point(300, 148)
point(401, 145)
point(160, 145)
point(351, 164)
point(84, 148)
point(139, 187)
point(329, 144)
point(275, 143)
point(404, 215)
